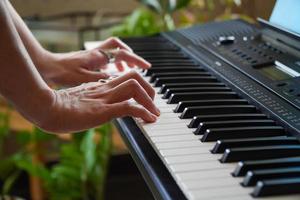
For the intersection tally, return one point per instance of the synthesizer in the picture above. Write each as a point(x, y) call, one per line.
point(229, 128)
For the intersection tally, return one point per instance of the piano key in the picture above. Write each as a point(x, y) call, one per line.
point(259, 153)
point(220, 193)
point(210, 183)
point(163, 56)
point(244, 166)
point(190, 112)
point(169, 92)
point(253, 177)
point(160, 53)
point(277, 187)
point(166, 86)
point(221, 145)
point(198, 175)
point(185, 151)
point(176, 138)
point(154, 48)
point(181, 74)
point(173, 60)
point(177, 97)
point(165, 133)
point(240, 116)
point(176, 145)
point(190, 159)
point(198, 166)
point(233, 123)
point(177, 79)
point(172, 68)
point(184, 104)
point(241, 132)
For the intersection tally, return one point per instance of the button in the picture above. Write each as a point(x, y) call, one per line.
point(281, 84)
point(226, 40)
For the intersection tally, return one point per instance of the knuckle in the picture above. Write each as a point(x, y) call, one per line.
point(133, 83)
point(122, 52)
point(114, 39)
point(135, 74)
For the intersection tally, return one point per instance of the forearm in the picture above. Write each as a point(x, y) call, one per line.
point(41, 58)
point(20, 82)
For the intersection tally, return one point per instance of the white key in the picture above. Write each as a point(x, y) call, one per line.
point(198, 175)
point(186, 137)
point(188, 159)
point(185, 151)
point(197, 166)
point(181, 144)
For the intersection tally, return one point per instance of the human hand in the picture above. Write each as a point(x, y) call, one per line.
point(94, 103)
point(71, 69)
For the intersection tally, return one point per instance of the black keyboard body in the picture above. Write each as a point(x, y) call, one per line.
point(239, 56)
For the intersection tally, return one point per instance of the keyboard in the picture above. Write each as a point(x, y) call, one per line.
point(229, 125)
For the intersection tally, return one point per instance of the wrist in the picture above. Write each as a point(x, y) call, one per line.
point(38, 107)
point(47, 64)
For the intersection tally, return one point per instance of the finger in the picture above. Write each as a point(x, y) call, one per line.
point(89, 76)
point(134, 75)
point(126, 109)
point(131, 65)
point(113, 43)
point(120, 66)
point(132, 89)
point(129, 57)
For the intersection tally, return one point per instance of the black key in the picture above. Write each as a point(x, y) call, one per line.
point(163, 56)
point(184, 104)
point(181, 74)
point(240, 116)
point(245, 166)
point(141, 47)
point(190, 112)
point(177, 97)
point(172, 68)
point(169, 92)
point(177, 79)
point(221, 145)
point(160, 53)
point(164, 87)
point(277, 187)
point(177, 64)
point(147, 39)
point(241, 132)
point(175, 60)
point(234, 123)
point(253, 177)
point(260, 153)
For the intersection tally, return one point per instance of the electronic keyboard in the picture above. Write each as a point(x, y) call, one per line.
point(229, 97)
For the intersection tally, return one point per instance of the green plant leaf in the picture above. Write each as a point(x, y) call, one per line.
point(88, 147)
point(140, 23)
point(10, 181)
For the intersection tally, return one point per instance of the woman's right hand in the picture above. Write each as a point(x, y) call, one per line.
point(91, 104)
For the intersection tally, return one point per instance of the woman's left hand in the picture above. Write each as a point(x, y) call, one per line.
point(71, 69)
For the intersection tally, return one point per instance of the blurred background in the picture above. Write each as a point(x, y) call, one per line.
point(94, 164)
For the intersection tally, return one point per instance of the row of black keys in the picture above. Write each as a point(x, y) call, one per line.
point(268, 157)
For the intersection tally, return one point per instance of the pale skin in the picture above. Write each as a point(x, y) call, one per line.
point(26, 70)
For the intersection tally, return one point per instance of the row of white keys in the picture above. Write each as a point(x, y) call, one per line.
point(195, 169)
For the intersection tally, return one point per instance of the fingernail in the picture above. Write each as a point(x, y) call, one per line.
point(157, 111)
